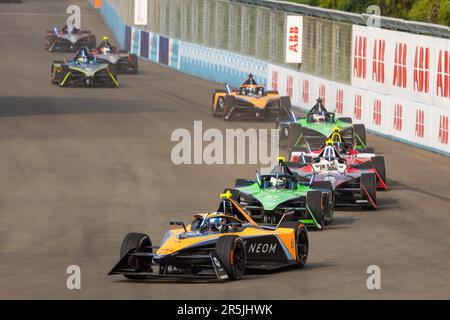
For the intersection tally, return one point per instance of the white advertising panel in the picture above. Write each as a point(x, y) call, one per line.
point(402, 65)
point(294, 39)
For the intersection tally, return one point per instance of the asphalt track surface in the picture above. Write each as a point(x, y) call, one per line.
point(82, 167)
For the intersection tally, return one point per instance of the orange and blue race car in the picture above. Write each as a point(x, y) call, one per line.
point(250, 100)
point(220, 245)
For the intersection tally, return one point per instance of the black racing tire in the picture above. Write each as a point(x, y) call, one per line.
point(135, 242)
point(63, 73)
point(112, 69)
point(92, 42)
point(368, 183)
point(359, 131)
point(229, 103)
point(328, 199)
point(133, 63)
point(54, 76)
point(314, 202)
point(345, 119)
point(285, 109)
point(243, 183)
point(301, 241)
point(380, 167)
point(233, 255)
point(218, 108)
point(295, 132)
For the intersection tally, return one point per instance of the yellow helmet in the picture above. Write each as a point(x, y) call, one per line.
point(336, 129)
point(281, 158)
point(105, 38)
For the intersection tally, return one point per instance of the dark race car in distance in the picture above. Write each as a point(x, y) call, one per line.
point(83, 70)
point(125, 62)
point(68, 40)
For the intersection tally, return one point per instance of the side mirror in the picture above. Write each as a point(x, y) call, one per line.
point(178, 223)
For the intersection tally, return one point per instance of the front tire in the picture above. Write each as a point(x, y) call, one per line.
point(136, 242)
point(232, 253)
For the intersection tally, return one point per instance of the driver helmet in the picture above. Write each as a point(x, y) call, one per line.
point(277, 183)
point(217, 224)
point(70, 29)
point(250, 91)
point(318, 117)
point(329, 152)
point(82, 56)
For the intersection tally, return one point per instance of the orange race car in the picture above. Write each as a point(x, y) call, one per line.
point(250, 100)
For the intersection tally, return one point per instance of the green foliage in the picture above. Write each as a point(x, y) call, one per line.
point(432, 11)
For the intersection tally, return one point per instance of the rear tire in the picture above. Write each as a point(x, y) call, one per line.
point(369, 189)
point(285, 109)
point(328, 199)
point(135, 242)
point(232, 253)
point(134, 63)
point(345, 119)
point(359, 131)
point(301, 241)
point(295, 132)
point(314, 202)
point(380, 167)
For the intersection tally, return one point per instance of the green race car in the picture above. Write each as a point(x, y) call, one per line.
point(273, 195)
point(312, 131)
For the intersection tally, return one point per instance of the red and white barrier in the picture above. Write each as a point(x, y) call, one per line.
point(396, 117)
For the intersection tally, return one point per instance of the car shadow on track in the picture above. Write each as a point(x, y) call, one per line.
point(32, 106)
point(249, 275)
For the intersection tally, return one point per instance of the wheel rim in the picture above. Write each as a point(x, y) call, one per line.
point(239, 259)
point(302, 246)
point(220, 104)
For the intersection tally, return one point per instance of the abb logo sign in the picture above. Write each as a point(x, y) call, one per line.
point(400, 65)
point(398, 115)
point(360, 57)
point(339, 101)
point(294, 30)
point(420, 123)
point(443, 129)
point(422, 69)
point(376, 119)
point(379, 47)
point(305, 92)
point(289, 86)
point(357, 106)
point(322, 93)
point(274, 80)
point(443, 74)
